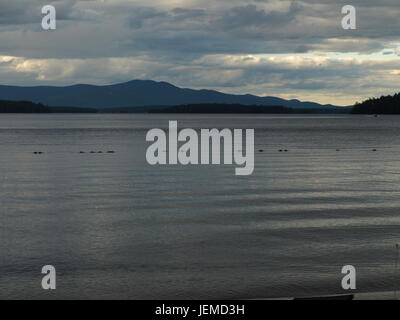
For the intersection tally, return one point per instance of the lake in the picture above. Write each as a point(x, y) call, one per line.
point(115, 227)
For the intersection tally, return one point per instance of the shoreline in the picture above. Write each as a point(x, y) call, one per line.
point(379, 295)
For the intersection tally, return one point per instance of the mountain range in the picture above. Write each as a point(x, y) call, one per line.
point(138, 93)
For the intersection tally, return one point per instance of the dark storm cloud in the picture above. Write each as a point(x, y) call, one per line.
point(249, 16)
point(140, 15)
point(18, 12)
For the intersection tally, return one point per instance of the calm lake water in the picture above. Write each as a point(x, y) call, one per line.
point(116, 227)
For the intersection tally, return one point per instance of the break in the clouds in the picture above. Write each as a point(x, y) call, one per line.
point(292, 49)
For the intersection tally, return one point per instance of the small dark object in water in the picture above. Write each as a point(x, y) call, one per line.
point(261, 150)
point(110, 151)
point(286, 150)
point(100, 152)
point(337, 150)
point(38, 152)
point(81, 152)
point(374, 150)
point(281, 150)
point(92, 152)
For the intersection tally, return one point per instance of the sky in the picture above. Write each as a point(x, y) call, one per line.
point(291, 49)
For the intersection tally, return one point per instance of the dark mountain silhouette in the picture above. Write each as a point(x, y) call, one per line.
point(383, 105)
point(138, 93)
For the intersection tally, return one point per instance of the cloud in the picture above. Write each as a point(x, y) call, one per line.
point(140, 15)
point(250, 16)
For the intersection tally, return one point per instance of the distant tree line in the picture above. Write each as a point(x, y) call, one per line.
point(383, 105)
point(31, 107)
point(229, 108)
point(22, 107)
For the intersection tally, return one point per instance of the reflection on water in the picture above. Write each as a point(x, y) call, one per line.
point(116, 227)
